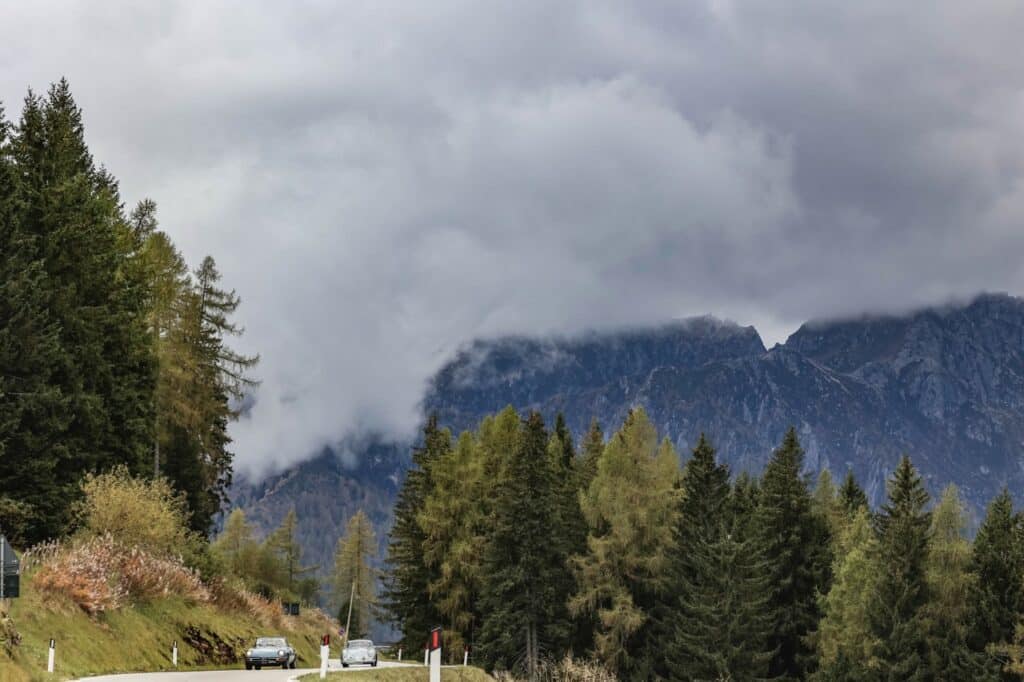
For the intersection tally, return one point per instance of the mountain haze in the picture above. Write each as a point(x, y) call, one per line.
point(943, 384)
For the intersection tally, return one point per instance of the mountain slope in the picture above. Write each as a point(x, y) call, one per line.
point(945, 385)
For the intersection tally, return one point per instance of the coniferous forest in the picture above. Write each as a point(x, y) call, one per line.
point(112, 352)
point(527, 547)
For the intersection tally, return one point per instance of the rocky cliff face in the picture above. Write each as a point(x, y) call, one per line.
point(945, 385)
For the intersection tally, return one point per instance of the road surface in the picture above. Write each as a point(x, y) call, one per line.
point(238, 675)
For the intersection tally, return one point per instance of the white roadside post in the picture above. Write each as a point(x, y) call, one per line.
point(465, 657)
point(325, 653)
point(435, 655)
point(49, 660)
point(426, 657)
point(174, 654)
point(399, 654)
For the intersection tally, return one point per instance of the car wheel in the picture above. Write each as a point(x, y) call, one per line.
point(294, 664)
point(344, 665)
point(248, 665)
point(374, 664)
point(259, 667)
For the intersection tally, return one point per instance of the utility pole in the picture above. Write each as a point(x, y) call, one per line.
point(348, 622)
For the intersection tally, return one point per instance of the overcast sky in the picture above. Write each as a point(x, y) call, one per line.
point(383, 181)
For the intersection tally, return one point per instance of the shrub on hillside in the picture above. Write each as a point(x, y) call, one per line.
point(136, 512)
point(100, 574)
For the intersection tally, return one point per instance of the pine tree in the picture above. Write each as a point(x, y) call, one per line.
point(32, 409)
point(743, 502)
point(199, 461)
point(717, 625)
point(176, 406)
point(354, 580)
point(236, 547)
point(851, 496)
point(630, 509)
point(997, 562)
point(797, 549)
point(72, 241)
point(845, 642)
point(896, 610)
point(950, 585)
point(407, 587)
point(584, 471)
point(569, 536)
point(285, 545)
point(825, 499)
point(591, 450)
point(523, 609)
point(724, 619)
point(454, 529)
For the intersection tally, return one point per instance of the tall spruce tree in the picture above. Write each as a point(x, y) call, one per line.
point(897, 607)
point(724, 620)
point(74, 240)
point(523, 610)
point(569, 530)
point(797, 548)
point(716, 624)
point(33, 412)
point(630, 509)
point(997, 561)
point(408, 578)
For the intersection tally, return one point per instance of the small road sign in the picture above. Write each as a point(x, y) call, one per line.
point(10, 571)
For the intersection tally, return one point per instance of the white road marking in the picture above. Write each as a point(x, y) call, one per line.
point(236, 674)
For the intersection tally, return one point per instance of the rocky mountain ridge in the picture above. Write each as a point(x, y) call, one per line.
point(945, 385)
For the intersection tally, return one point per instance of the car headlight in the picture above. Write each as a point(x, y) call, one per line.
point(249, 652)
point(280, 652)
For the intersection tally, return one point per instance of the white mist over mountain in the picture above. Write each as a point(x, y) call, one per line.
point(382, 182)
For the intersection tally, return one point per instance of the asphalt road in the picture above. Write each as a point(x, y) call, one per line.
point(238, 675)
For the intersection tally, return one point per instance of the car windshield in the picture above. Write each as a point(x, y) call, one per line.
point(271, 641)
point(359, 644)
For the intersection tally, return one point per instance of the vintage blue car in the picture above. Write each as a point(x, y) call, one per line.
point(270, 651)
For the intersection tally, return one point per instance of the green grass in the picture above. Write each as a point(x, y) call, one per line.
point(138, 638)
point(417, 674)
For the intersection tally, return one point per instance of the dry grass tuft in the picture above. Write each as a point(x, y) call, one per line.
point(567, 670)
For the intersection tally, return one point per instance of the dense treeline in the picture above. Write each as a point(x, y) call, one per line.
point(271, 566)
point(111, 352)
point(526, 549)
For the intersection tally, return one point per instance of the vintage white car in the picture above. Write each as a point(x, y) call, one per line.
point(359, 652)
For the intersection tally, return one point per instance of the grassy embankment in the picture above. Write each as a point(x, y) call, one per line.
point(418, 674)
point(134, 631)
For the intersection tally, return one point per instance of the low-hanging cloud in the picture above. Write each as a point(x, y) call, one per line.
point(384, 181)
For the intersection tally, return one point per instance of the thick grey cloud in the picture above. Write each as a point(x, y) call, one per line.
point(383, 181)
